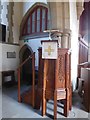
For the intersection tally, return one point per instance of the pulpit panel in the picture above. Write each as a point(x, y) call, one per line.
point(40, 68)
point(58, 69)
point(50, 74)
point(62, 68)
point(54, 75)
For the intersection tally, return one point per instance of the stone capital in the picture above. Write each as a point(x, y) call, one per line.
point(67, 32)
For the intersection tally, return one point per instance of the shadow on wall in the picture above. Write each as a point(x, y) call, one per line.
point(26, 70)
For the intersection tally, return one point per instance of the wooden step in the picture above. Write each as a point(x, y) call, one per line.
point(26, 96)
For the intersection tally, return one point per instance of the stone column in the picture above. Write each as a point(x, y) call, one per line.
point(57, 36)
point(10, 21)
point(60, 20)
point(65, 40)
point(59, 15)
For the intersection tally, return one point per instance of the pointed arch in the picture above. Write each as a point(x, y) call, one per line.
point(35, 20)
point(26, 70)
point(22, 50)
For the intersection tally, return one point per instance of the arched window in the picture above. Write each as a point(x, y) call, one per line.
point(36, 21)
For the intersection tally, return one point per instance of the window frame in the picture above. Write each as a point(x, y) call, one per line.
point(24, 31)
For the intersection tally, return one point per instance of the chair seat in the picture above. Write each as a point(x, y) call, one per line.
point(61, 94)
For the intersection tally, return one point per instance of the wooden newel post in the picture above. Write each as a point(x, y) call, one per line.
point(43, 90)
point(33, 80)
point(19, 97)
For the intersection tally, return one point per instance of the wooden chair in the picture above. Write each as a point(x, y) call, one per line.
point(56, 82)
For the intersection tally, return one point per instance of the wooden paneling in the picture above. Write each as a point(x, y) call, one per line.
point(85, 75)
point(83, 55)
point(54, 80)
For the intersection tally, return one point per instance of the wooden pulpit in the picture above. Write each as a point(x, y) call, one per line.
point(55, 79)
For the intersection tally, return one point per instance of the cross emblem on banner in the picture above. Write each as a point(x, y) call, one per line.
point(49, 50)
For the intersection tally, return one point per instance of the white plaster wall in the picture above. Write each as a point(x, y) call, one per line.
point(74, 42)
point(4, 12)
point(27, 5)
point(3, 17)
point(12, 63)
point(9, 63)
point(34, 44)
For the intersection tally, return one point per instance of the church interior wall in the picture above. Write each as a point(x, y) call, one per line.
point(60, 15)
point(4, 16)
point(89, 53)
point(74, 42)
point(28, 5)
point(34, 44)
point(14, 22)
point(68, 21)
point(64, 18)
point(10, 63)
point(68, 16)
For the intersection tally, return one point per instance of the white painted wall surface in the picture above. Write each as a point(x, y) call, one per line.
point(9, 63)
point(4, 12)
point(27, 5)
point(74, 24)
point(34, 44)
point(3, 17)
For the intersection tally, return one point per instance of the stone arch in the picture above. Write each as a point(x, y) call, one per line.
point(26, 70)
point(28, 12)
point(22, 50)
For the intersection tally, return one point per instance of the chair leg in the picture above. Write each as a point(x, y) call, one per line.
point(55, 105)
point(43, 105)
point(37, 100)
point(66, 105)
point(70, 99)
point(66, 108)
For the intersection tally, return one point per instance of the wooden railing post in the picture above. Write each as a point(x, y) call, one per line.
point(19, 97)
point(33, 80)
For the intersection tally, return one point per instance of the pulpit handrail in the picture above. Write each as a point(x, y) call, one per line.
point(29, 57)
point(33, 78)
